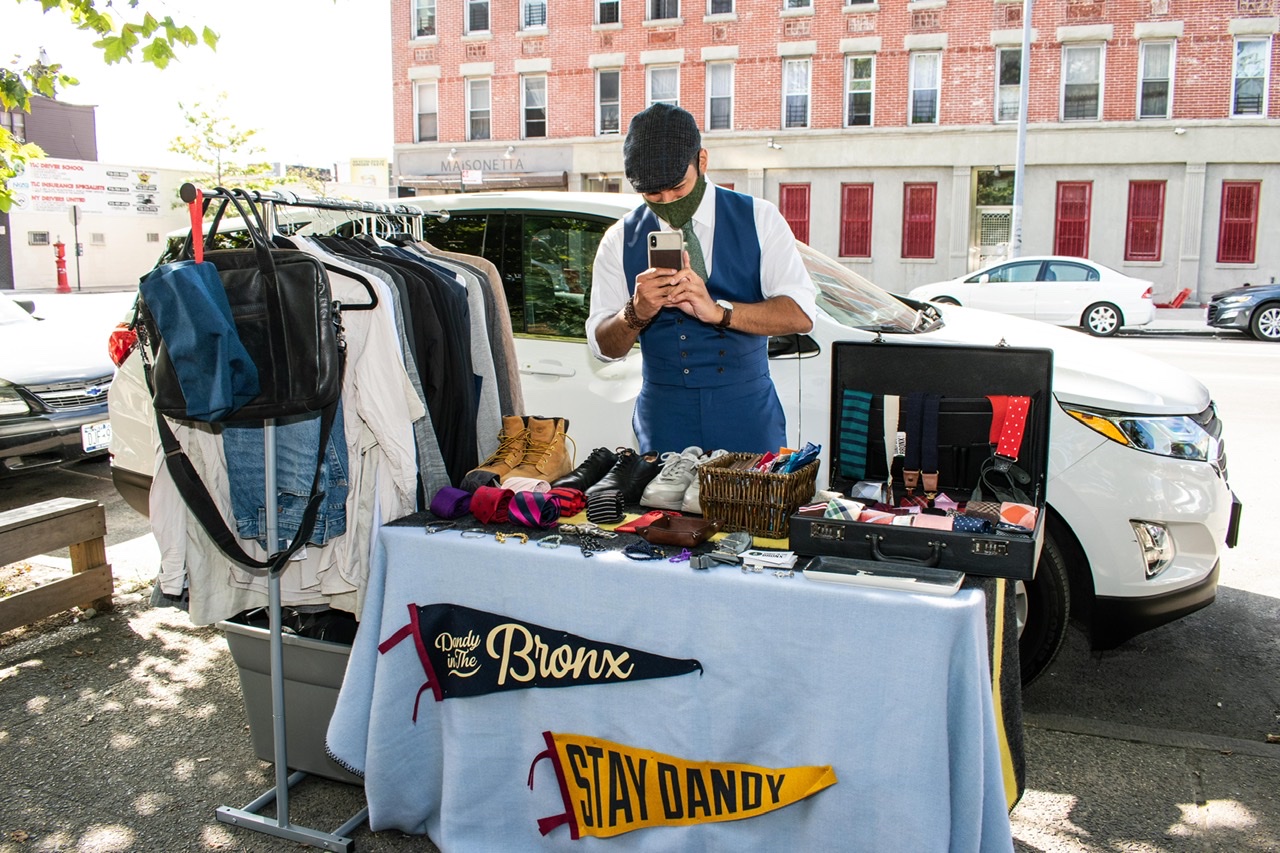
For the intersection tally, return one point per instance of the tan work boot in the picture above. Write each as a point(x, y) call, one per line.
point(510, 452)
point(545, 456)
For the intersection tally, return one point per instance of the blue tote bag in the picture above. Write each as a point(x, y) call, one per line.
point(189, 307)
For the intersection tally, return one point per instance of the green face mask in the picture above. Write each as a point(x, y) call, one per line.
point(677, 213)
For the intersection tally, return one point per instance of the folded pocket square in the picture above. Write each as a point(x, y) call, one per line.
point(1018, 514)
point(841, 508)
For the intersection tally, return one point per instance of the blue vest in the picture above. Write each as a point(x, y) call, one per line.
point(679, 350)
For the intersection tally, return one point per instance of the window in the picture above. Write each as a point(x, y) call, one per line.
point(793, 201)
point(795, 93)
point(1156, 69)
point(919, 207)
point(15, 122)
point(557, 258)
point(719, 95)
point(534, 102)
point(721, 7)
point(37, 238)
point(1010, 273)
point(855, 220)
point(924, 88)
point(663, 9)
point(1071, 221)
point(664, 84)
point(603, 185)
point(1066, 271)
point(428, 117)
point(424, 18)
point(477, 16)
point(607, 12)
point(1146, 221)
point(859, 74)
point(533, 14)
point(1082, 83)
point(478, 109)
point(798, 4)
point(608, 104)
point(153, 236)
point(1238, 224)
point(1008, 83)
point(1249, 95)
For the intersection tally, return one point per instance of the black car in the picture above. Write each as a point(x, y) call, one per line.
point(1254, 308)
point(53, 392)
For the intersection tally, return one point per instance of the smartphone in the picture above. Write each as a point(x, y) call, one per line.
point(666, 250)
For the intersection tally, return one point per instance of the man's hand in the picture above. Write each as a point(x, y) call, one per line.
point(689, 294)
point(652, 289)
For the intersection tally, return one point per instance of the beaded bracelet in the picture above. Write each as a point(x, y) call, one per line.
point(632, 319)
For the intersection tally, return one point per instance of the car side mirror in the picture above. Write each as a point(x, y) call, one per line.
point(26, 305)
point(793, 346)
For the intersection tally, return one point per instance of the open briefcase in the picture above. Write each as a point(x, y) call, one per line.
point(967, 432)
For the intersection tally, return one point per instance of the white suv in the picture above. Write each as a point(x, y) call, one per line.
point(1123, 551)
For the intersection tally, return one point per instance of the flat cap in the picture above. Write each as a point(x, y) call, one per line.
point(661, 143)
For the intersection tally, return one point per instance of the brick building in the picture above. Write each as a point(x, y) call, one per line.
point(886, 131)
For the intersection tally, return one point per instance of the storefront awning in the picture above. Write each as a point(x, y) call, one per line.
point(452, 181)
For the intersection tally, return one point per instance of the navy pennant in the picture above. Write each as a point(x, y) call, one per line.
point(467, 652)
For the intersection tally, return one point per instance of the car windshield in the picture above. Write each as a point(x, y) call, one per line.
point(853, 301)
point(11, 312)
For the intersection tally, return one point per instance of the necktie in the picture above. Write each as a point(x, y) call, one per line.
point(696, 261)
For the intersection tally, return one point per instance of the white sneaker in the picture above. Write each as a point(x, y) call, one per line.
point(692, 500)
point(666, 491)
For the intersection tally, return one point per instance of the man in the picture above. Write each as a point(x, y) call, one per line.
point(704, 328)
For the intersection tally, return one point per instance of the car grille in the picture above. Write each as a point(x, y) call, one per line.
point(1212, 313)
point(73, 395)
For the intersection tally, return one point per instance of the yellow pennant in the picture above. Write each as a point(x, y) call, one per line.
point(610, 788)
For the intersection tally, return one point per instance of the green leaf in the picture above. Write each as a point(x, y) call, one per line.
point(113, 49)
point(210, 38)
point(158, 53)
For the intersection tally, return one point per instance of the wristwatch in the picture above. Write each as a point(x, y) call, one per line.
point(728, 313)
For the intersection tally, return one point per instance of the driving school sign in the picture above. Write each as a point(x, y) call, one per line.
point(467, 652)
point(610, 788)
point(50, 185)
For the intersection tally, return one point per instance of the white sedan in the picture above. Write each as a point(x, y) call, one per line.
point(1059, 290)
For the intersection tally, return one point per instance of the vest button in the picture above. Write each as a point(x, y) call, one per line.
point(686, 370)
point(684, 355)
point(686, 337)
point(722, 353)
point(719, 370)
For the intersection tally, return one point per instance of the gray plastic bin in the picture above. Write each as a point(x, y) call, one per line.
point(313, 671)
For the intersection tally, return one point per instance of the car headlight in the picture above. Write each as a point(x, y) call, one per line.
point(10, 402)
point(1234, 300)
point(1177, 436)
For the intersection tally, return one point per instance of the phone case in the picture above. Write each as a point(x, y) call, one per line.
point(666, 250)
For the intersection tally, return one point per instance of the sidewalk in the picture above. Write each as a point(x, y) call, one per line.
point(128, 731)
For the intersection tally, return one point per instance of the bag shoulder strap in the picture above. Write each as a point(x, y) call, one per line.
point(197, 498)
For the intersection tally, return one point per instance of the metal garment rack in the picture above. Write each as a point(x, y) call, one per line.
point(248, 817)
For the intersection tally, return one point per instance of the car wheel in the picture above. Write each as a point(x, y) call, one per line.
point(1043, 606)
point(1102, 319)
point(945, 300)
point(1265, 322)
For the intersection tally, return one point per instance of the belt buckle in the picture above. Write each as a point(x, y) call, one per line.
point(1003, 463)
point(911, 479)
point(930, 484)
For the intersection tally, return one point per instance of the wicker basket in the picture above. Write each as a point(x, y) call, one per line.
point(762, 504)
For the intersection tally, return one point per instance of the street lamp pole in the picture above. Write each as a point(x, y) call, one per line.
point(1019, 169)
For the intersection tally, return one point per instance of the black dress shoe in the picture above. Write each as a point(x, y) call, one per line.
point(629, 475)
point(589, 472)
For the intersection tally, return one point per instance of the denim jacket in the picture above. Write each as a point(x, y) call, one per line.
point(296, 440)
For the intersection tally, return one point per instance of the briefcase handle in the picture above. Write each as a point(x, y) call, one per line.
point(935, 553)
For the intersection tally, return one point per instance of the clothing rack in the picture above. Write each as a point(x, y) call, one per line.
point(248, 816)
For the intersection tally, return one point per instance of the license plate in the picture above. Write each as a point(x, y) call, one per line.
point(95, 436)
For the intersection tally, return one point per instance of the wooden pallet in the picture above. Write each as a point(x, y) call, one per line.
point(50, 526)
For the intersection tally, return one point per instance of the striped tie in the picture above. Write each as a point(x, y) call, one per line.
point(855, 415)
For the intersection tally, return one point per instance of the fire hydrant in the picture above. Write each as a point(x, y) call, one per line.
point(60, 260)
